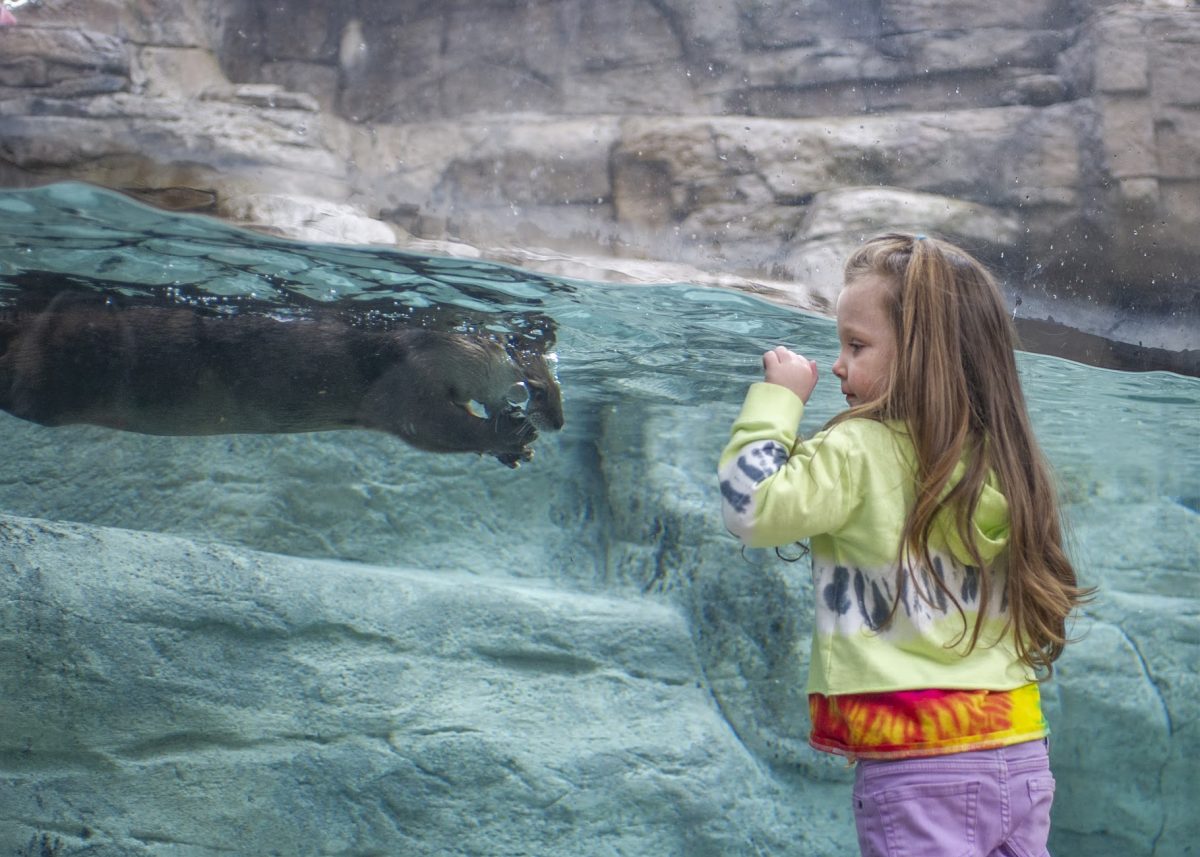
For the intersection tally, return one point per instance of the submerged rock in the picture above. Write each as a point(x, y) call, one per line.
point(164, 696)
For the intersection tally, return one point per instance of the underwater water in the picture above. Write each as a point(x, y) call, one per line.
point(617, 502)
point(1108, 434)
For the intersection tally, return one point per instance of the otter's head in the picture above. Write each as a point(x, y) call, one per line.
point(460, 392)
point(537, 393)
point(531, 398)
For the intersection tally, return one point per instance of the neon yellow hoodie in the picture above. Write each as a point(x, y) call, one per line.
point(848, 490)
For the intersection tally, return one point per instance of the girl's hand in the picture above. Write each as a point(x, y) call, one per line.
point(788, 369)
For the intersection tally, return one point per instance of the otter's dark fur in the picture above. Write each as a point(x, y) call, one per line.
point(177, 370)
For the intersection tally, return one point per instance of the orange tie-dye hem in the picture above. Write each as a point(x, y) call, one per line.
point(909, 723)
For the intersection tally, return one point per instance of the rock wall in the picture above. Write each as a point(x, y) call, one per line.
point(755, 138)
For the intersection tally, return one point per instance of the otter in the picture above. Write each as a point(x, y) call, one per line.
point(181, 370)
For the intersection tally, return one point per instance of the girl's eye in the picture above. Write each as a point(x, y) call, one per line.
point(855, 347)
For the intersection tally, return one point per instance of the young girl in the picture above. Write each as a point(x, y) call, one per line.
point(942, 588)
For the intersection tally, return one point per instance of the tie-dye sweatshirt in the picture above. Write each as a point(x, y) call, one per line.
point(848, 491)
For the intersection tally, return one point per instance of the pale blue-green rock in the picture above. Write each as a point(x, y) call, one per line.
point(162, 696)
point(572, 658)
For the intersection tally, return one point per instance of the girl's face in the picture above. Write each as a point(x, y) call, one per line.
point(868, 339)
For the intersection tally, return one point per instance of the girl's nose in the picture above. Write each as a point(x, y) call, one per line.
point(838, 369)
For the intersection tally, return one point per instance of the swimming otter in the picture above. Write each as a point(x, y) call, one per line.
point(177, 370)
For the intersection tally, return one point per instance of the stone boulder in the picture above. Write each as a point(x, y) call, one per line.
point(305, 219)
point(746, 186)
point(838, 219)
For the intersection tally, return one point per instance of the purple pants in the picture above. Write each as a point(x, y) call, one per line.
point(982, 803)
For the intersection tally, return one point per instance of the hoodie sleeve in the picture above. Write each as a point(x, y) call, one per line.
point(776, 489)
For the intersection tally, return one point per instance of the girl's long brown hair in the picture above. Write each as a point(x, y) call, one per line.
point(955, 386)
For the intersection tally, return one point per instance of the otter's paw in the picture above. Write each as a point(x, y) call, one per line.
point(514, 459)
point(512, 434)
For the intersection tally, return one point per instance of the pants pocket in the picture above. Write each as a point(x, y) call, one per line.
point(930, 819)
